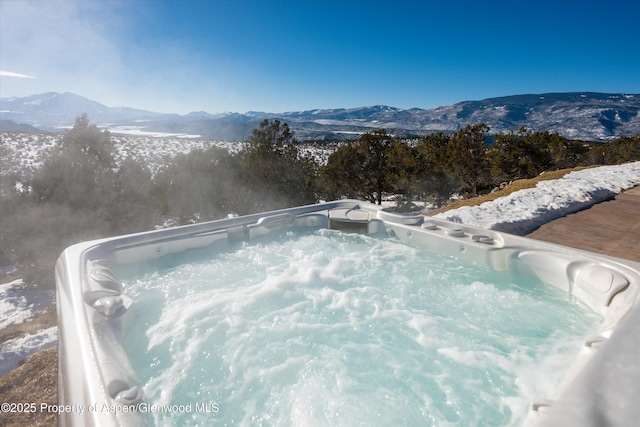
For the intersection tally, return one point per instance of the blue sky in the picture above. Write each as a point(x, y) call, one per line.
point(276, 56)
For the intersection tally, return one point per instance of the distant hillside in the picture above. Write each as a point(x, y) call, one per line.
point(52, 110)
point(578, 115)
point(11, 126)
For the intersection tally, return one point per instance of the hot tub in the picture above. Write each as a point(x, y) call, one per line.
point(98, 381)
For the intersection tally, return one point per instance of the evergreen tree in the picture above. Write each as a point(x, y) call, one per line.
point(433, 151)
point(563, 152)
point(81, 172)
point(133, 207)
point(374, 148)
point(197, 186)
point(435, 176)
point(375, 164)
point(272, 165)
point(403, 174)
point(519, 155)
point(621, 150)
point(341, 176)
point(71, 199)
point(467, 156)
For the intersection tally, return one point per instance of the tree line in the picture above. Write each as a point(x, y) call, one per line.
point(80, 192)
point(466, 162)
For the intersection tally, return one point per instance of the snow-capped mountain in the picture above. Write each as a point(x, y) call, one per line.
point(577, 115)
point(52, 110)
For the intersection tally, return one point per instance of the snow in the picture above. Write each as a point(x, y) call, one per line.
point(155, 151)
point(21, 151)
point(13, 304)
point(16, 350)
point(17, 305)
point(525, 210)
point(139, 131)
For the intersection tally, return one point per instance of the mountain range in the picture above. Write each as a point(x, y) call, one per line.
point(575, 115)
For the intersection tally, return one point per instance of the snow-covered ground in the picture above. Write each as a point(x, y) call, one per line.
point(20, 151)
point(16, 306)
point(15, 351)
point(158, 151)
point(523, 211)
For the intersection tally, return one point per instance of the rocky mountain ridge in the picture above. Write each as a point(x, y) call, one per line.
point(575, 115)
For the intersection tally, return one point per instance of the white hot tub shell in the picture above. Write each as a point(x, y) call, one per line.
point(96, 378)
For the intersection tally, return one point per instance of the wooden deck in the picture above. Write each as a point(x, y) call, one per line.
point(610, 228)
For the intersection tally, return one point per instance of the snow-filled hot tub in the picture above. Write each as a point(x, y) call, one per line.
point(100, 314)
